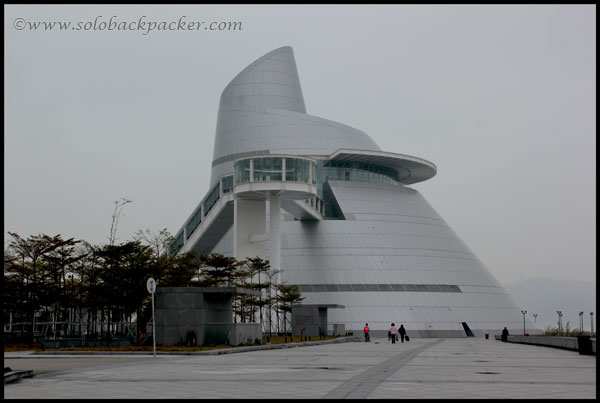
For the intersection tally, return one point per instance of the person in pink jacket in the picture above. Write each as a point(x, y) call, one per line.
point(393, 333)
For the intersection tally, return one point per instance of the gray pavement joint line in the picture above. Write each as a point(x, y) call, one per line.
point(360, 386)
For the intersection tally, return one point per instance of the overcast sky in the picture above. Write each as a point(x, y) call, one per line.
point(501, 98)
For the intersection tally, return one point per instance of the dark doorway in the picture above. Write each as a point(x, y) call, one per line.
point(468, 330)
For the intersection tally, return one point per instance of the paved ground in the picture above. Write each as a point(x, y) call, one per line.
point(422, 368)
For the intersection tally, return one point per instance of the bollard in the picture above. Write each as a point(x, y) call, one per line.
point(584, 345)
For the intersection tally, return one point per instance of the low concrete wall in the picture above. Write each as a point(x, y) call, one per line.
point(433, 333)
point(567, 343)
point(422, 334)
point(246, 333)
point(66, 343)
point(339, 329)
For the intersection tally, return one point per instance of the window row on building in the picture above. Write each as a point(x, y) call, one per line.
point(378, 287)
point(267, 169)
point(356, 171)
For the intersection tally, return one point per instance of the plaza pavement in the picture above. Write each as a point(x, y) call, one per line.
point(422, 368)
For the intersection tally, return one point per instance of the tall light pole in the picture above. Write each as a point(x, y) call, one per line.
point(559, 321)
point(524, 312)
point(591, 322)
point(535, 318)
point(581, 321)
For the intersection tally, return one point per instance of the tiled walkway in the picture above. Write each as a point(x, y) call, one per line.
point(422, 368)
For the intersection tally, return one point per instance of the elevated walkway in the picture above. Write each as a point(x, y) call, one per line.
point(260, 178)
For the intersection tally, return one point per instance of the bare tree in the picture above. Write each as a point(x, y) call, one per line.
point(119, 204)
point(158, 241)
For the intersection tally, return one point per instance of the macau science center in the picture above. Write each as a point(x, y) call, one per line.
point(336, 214)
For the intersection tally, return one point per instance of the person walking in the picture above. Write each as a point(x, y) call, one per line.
point(393, 332)
point(402, 332)
point(367, 338)
point(505, 334)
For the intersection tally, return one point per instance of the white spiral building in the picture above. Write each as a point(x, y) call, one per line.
point(335, 213)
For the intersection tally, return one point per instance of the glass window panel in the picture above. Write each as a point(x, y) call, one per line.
point(290, 169)
point(227, 184)
point(410, 287)
point(397, 287)
point(176, 244)
point(385, 287)
point(297, 170)
point(358, 287)
point(211, 199)
point(242, 171)
point(267, 169)
point(193, 223)
point(434, 288)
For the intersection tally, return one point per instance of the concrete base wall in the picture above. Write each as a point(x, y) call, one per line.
point(206, 311)
point(246, 333)
point(339, 329)
point(233, 334)
point(310, 318)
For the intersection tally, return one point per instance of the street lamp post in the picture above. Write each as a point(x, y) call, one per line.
point(524, 312)
point(591, 322)
point(535, 318)
point(559, 321)
point(581, 321)
point(71, 308)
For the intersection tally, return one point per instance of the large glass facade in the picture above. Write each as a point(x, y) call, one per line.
point(356, 171)
point(267, 169)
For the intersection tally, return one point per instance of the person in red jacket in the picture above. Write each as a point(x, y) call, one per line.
point(367, 338)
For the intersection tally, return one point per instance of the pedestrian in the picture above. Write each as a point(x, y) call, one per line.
point(402, 332)
point(505, 334)
point(393, 332)
point(367, 338)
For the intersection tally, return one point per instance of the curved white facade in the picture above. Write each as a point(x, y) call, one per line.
point(366, 241)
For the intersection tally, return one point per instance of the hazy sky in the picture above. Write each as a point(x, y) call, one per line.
point(501, 98)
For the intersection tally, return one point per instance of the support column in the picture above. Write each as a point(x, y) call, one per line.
point(275, 244)
point(274, 232)
point(249, 219)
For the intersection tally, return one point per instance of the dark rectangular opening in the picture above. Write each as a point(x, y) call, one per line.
point(468, 330)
